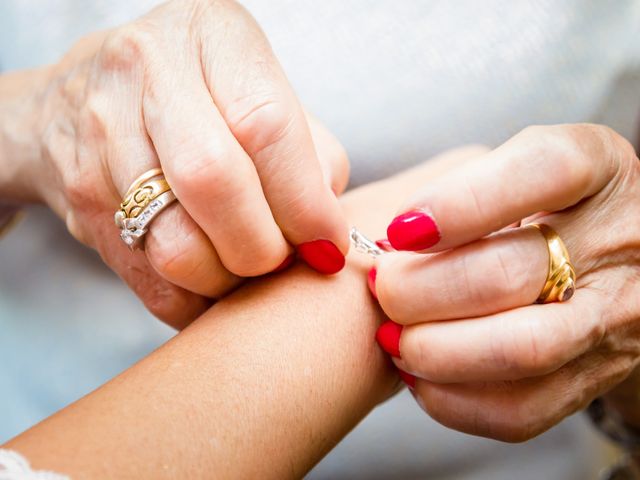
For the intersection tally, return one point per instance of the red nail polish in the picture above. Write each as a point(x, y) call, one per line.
point(322, 255)
point(286, 263)
point(414, 230)
point(388, 336)
point(385, 245)
point(407, 378)
point(371, 281)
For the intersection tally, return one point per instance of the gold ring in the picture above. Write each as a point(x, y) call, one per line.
point(134, 203)
point(561, 276)
point(147, 196)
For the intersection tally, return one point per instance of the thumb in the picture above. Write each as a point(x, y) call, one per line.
point(331, 154)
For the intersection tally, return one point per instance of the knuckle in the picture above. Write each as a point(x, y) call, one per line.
point(126, 49)
point(512, 274)
point(261, 121)
point(529, 353)
point(423, 355)
point(199, 169)
point(460, 287)
point(563, 150)
point(534, 354)
point(473, 195)
point(614, 148)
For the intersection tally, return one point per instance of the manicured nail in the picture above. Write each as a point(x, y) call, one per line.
point(414, 230)
point(286, 263)
point(385, 245)
point(371, 281)
point(388, 337)
point(322, 255)
point(407, 378)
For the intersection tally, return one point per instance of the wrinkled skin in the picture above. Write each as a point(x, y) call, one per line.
point(489, 361)
point(192, 87)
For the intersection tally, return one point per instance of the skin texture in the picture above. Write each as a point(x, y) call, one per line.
point(75, 134)
point(262, 385)
point(489, 362)
point(192, 87)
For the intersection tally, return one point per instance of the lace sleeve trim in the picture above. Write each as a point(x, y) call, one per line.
point(14, 466)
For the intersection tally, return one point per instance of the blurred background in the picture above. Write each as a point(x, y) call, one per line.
point(397, 82)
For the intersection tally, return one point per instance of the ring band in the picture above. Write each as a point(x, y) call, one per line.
point(560, 284)
point(148, 195)
point(134, 203)
point(144, 177)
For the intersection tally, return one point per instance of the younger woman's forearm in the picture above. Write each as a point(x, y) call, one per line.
point(262, 386)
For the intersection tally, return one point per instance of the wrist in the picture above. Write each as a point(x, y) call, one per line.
point(22, 96)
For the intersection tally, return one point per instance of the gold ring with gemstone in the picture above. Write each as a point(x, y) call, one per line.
point(147, 196)
point(560, 284)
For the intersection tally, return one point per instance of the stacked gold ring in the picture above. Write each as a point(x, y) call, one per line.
point(147, 196)
point(560, 284)
point(145, 188)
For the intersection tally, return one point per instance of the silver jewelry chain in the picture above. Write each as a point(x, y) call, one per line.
point(363, 245)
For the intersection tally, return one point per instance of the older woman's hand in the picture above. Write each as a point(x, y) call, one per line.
point(487, 360)
point(194, 88)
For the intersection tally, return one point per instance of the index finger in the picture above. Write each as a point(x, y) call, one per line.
point(526, 342)
point(263, 113)
point(541, 169)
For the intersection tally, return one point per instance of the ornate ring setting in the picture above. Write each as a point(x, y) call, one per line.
point(148, 195)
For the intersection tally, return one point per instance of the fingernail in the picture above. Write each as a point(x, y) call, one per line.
point(371, 281)
point(322, 255)
point(388, 337)
point(385, 245)
point(286, 263)
point(407, 378)
point(414, 230)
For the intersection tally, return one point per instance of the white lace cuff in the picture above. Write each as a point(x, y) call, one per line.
point(14, 466)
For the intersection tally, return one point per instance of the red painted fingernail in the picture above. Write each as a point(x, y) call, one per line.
point(385, 245)
point(322, 255)
point(414, 230)
point(371, 281)
point(407, 378)
point(286, 263)
point(388, 336)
